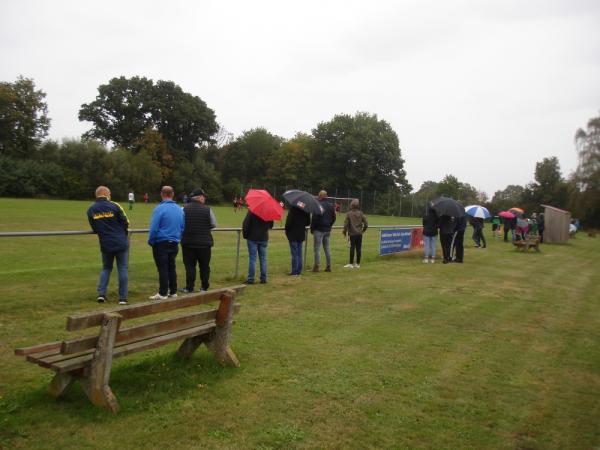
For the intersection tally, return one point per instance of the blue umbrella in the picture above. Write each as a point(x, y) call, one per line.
point(478, 211)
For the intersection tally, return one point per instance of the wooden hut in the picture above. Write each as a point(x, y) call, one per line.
point(557, 225)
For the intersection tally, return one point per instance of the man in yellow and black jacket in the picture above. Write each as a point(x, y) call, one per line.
point(109, 222)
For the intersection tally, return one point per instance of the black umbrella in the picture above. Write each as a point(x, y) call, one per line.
point(446, 206)
point(304, 201)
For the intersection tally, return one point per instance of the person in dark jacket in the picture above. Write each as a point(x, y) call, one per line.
point(541, 225)
point(478, 236)
point(166, 227)
point(509, 226)
point(320, 227)
point(430, 232)
point(295, 231)
point(197, 240)
point(109, 222)
point(256, 232)
point(458, 247)
point(447, 226)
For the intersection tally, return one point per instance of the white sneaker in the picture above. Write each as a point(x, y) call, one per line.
point(172, 295)
point(425, 261)
point(432, 261)
point(357, 266)
point(349, 266)
point(157, 296)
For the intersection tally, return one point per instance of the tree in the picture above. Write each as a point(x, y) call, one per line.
point(247, 157)
point(511, 196)
point(359, 152)
point(125, 108)
point(585, 199)
point(289, 164)
point(24, 118)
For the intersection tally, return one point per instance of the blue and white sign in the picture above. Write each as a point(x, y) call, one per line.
point(394, 240)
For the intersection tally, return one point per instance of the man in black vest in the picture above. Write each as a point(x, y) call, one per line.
point(197, 240)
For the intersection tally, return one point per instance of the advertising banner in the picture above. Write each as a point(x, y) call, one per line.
point(394, 240)
point(417, 238)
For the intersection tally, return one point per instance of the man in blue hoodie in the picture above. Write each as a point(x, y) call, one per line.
point(166, 227)
point(109, 222)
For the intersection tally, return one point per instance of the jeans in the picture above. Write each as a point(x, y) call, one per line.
point(191, 258)
point(322, 236)
point(296, 251)
point(429, 246)
point(355, 245)
point(164, 256)
point(261, 248)
point(107, 265)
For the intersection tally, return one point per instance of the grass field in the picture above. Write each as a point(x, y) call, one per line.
point(501, 352)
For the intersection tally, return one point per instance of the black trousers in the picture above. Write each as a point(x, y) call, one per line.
point(446, 241)
point(164, 256)
point(355, 245)
point(459, 246)
point(191, 258)
point(479, 237)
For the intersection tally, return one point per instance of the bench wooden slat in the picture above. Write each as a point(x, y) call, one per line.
point(123, 350)
point(143, 331)
point(37, 348)
point(83, 321)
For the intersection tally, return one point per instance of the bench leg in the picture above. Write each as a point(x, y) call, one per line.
point(60, 383)
point(95, 383)
point(219, 344)
point(189, 346)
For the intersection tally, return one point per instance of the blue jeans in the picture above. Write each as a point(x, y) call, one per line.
point(322, 236)
point(261, 248)
point(296, 251)
point(107, 265)
point(429, 246)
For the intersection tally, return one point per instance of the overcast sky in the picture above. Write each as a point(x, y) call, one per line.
point(478, 89)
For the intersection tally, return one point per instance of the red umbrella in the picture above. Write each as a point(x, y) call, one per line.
point(263, 205)
point(506, 215)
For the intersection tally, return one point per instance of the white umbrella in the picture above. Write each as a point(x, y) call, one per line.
point(478, 211)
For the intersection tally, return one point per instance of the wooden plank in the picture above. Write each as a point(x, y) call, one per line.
point(81, 361)
point(87, 320)
point(24, 351)
point(144, 331)
point(219, 344)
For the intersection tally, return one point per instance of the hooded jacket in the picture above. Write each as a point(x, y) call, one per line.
point(295, 224)
point(256, 229)
point(325, 221)
point(430, 223)
point(355, 222)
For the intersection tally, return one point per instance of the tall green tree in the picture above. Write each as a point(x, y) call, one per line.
point(24, 118)
point(125, 108)
point(290, 164)
point(585, 200)
point(359, 152)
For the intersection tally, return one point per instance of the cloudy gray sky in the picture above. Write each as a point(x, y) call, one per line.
point(479, 89)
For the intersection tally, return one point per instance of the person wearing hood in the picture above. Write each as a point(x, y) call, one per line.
point(295, 230)
point(447, 226)
point(320, 227)
point(478, 236)
point(430, 232)
point(354, 227)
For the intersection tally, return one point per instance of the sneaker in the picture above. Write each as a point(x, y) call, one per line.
point(101, 298)
point(174, 295)
point(123, 301)
point(263, 281)
point(186, 291)
point(248, 282)
point(315, 268)
point(432, 261)
point(157, 296)
point(425, 261)
point(203, 290)
point(357, 266)
point(349, 266)
point(328, 269)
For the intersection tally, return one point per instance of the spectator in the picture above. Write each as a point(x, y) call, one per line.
point(295, 231)
point(458, 247)
point(447, 226)
point(541, 223)
point(166, 228)
point(354, 227)
point(430, 232)
point(130, 200)
point(197, 240)
point(478, 236)
point(320, 227)
point(256, 232)
point(109, 222)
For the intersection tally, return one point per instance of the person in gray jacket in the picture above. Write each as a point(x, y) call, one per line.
point(354, 227)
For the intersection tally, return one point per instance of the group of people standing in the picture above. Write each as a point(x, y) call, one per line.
point(451, 231)
point(170, 226)
point(190, 227)
point(256, 232)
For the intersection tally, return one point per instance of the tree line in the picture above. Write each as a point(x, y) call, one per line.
point(146, 134)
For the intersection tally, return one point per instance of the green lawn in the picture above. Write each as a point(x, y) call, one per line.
point(500, 352)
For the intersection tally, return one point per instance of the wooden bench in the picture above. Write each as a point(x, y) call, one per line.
point(532, 242)
point(89, 359)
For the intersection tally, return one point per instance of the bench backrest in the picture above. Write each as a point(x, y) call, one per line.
point(87, 320)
